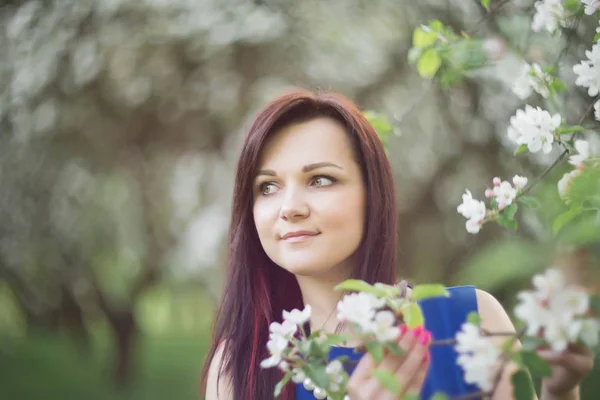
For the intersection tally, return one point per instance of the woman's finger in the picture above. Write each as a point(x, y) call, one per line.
point(414, 387)
point(406, 341)
point(361, 384)
point(410, 368)
point(579, 362)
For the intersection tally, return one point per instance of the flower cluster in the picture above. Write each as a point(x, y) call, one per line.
point(361, 309)
point(550, 15)
point(284, 353)
point(557, 312)
point(477, 356)
point(503, 194)
point(591, 6)
point(534, 128)
point(532, 79)
point(588, 71)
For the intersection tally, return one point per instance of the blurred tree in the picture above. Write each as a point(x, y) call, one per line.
point(120, 122)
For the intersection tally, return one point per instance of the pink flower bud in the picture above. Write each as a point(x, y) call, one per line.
point(501, 206)
point(489, 193)
point(496, 181)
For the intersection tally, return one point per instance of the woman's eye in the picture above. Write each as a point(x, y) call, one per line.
point(323, 181)
point(267, 188)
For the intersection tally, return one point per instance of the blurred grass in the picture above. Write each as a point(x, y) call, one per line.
point(49, 366)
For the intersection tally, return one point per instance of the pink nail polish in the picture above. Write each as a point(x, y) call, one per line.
point(424, 338)
point(403, 329)
point(417, 331)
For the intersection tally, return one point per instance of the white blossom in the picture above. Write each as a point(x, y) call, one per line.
point(359, 308)
point(477, 356)
point(298, 317)
point(520, 182)
point(532, 78)
point(276, 345)
point(383, 326)
point(583, 148)
point(591, 6)
point(530, 309)
point(474, 210)
point(284, 329)
point(590, 331)
point(565, 182)
point(555, 311)
point(535, 128)
point(597, 110)
point(549, 15)
point(504, 194)
point(588, 71)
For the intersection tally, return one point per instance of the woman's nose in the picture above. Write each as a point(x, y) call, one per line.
point(294, 206)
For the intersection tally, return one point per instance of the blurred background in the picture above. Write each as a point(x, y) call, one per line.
point(120, 124)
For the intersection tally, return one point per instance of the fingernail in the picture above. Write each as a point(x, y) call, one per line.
point(426, 357)
point(417, 331)
point(425, 338)
point(403, 329)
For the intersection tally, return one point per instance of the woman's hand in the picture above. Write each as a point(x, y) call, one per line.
point(568, 370)
point(410, 369)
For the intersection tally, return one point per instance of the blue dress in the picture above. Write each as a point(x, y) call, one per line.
point(443, 318)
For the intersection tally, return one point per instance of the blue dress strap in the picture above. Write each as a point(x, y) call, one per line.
point(443, 318)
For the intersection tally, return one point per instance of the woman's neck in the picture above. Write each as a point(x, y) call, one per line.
point(323, 299)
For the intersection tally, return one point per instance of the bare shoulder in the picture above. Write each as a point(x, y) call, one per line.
point(218, 384)
point(493, 316)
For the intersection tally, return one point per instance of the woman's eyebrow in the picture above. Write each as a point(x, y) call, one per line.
point(306, 168)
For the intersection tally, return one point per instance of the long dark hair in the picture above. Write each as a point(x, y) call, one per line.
point(257, 290)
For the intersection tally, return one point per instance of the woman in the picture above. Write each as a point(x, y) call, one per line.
point(313, 205)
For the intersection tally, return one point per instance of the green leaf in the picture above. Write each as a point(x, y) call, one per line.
point(584, 188)
point(502, 263)
point(529, 201)
point(356, 285)
point(427, 291)
point(521, 149)
point(413, 316)
point(282, 382)
point(564, 218)
point(394, 348)
point(413, 54)
point(536, 366)
point(439, 396)
point(522, 386)
point(596, 37)
point(564, 130)
point(388, 380)
point(510, 211)
point(410, 396)
point(506, 218)
point(317, 350)
point(423, 39)
point(376, 350)
point(474, 318)
point(486, 4)
point(335, 339)
point(573, 6)
point(558, 86)
point(317, 374)
point(429, 63)
point(436, 25)
point(530, 343)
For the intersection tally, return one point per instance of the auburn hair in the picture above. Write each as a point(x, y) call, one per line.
point(257, 290)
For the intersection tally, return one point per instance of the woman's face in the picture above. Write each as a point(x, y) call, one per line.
point(309, 199)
